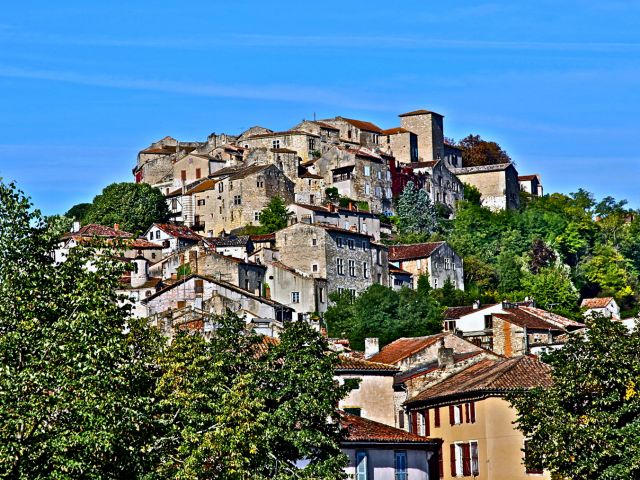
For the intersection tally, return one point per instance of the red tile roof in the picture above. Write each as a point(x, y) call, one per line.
point(601, 302)
point(364, 430)
point(268, 237)
point(357, 364)
point(326, 126)
point(405, 347)
point(143, 243)
point(418, 112)
point(550, 317)
point(178, 231)
point(413, 251)
point(489, 376)
point(525, 320)
point(362, 125)
point(527, 177)
point(394, 131)
point(458, 312)
point(95, 230)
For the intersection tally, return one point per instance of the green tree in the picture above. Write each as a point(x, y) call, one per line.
point(274, 216)
point(552, 289)
point(134, 206)
point(332, 194)
point(586, 426)
point(416, 214)
point(240, 406)
point(472, 194)
point(77, 375)
point(78, 212)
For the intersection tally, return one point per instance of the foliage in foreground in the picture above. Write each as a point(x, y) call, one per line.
point(89, 392)
point(587, 426)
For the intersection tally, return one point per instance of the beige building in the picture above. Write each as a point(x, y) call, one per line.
point(498, 184)
point(356, 132)
point(435, 259)
point(400, 143)
point(531, 184)
point(429, 128)
point(303, 143)
point(240, 195)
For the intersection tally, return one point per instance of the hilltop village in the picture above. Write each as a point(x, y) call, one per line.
point(339, 178)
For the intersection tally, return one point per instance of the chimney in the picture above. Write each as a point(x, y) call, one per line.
point(445, 355)
point(350, 206)
point(476, 305)
point(116, 226)
point(371, 347)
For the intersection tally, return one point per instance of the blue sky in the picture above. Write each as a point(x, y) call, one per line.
point(85, 85)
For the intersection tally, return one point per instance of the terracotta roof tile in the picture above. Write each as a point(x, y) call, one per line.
point(550, 317)
point(362, 125)
point(525, 320)
point(413, 251)
point(178, 231)
point(527, 177)
point(95, 230)
point(601, 302)
point(357, 364)
point(404, 347)
point(458, 312)
point(361, 429)
point(489, 376)
point(394, 131)
point(417, 112)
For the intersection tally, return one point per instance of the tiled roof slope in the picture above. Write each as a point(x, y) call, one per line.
point(410, 252)
point(490, 376)
point(550, 317)
point(404, 347)
point(459, 312)
point(351, 363)
point(364, 430)
point(417, 112)
point(525, 320)
point(596, 302)
point(362, 125)
point(178, 231)
point(95, 230)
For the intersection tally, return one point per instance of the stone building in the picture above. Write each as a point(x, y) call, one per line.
point(302, 143)
point(429, 128)
point(359, 174)
point(498, 184)
point(328, 134)
point(435, 259)
point(452, 156)
point(240, 195)
point(400, 143)
point(173, 238)
point(349, 261)
point(356, 132)
point(443, 186)
point(137, 285)
point(349, 218)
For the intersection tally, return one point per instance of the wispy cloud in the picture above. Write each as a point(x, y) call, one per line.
point(280, 92)
point(196, 42)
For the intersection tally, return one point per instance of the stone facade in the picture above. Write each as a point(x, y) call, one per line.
point(437, 260)
point(401, 144)
point(443, 185)
point(348, 261)
point(498, 184)
point(429, 128)
point(302, 144)
point(356, 132)
point(347, 218)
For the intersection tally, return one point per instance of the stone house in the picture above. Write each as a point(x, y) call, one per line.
point(498, 184)
point(373, 399)
point(155, 163)
point(240, 195)
point(429, 128)
point(173, 238)
point(359, 174)
point(400, 143)
point(378, 451)
point(207, 294)
point(302, 143)
point(310, 188)
point(306, 294)
point(356, 132)
point(399, 279)
point(452, 156)
point(328, 134)
point(350, 218)
point(86, 234)
point(190, 168)
point(605, 306)
point(349, 261)
point(531, 184)
point(136, 285)
point(435, 259)
point(468, 410)
point(238, 246)
point(444, 187)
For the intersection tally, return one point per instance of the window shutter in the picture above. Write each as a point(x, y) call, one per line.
point(452, 419)
point(401, 419)
point(467, 412)
point(414, 422)
point(452, 452)
point(466, 460)
point(427, 426)
point(441, 462)
point(473, 412)
point(436, 417)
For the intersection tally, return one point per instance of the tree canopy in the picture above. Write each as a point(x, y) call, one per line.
point(477, 152)
point(134, 206)
point(415, 213)
point(587, 425)
point(274, 216)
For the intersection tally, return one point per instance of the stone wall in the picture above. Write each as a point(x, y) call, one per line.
point(430, 131)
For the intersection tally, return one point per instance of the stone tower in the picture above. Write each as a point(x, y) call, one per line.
point(428, 126)
point(140, 273)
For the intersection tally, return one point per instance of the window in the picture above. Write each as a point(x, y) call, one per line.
point(275, 143)
point(256, 216)
point(455, 414)
point(400, 465)
point(157, 234)
point(475, 466)
point(320, 292)
point(351, 243)
point(533, 469)
point(153, 256)
point(260, 183)
point(470, 411)
point(339, 242)
point(436, 417)
point(340, 266)
point(362, 472)
point(447, 263)
point(201, 202)
point(181, 303)
point(401, 419)
point(237, 200)
point(314, 242)
point(379, 174)
point(312, 144)
point(199, 286)
point(174, 204)
point(354, 411)
point(150, 235)
point(183, 175)
point(364, 242)
point(314, 268)
point(367, 189)
point(353, 293)
point(365, 269)
point(221, 187)
point(449, 325)
point(196, 219)
point(198, 173)
point(488, 322)
point(295, 297)
point(367, 171)
point(352, 268)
